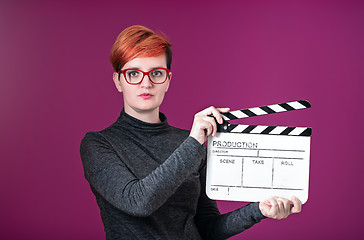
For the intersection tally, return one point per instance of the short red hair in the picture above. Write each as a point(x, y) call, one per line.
point(139, 41)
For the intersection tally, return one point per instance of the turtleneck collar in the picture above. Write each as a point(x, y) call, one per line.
point(134, 123)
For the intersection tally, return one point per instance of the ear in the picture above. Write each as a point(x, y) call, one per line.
point(169, 80)
point(117, 82)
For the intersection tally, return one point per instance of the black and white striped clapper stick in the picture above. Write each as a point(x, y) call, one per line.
point(258, 111)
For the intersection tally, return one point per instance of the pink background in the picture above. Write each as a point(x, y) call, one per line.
point(56, 84)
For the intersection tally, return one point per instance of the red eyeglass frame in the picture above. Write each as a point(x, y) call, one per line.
point(123, 71)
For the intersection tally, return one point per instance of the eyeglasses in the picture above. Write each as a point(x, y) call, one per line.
point(136, 76)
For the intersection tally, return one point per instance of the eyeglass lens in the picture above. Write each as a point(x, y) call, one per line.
point(157, 76)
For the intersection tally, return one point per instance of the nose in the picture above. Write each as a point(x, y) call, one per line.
point(146, 83)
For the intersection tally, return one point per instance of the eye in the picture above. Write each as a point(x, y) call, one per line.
point(157, 73)
point(132, 73)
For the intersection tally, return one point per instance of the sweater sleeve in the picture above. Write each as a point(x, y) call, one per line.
point(213, 225)
point(112, 179)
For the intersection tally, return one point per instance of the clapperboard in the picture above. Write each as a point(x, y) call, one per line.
point(253, 162)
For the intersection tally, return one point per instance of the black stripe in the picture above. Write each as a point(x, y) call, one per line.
point(286, 106)
point(305, 103)
point(248, 112)
point(249, 129)
point(231, 127)
point(267, 109)
point(268, 129)
point(287, 130)
point(307, 132)
point(229, 116)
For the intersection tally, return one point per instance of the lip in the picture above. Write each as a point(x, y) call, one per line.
point(145, 95)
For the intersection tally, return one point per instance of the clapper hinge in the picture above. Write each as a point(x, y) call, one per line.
point(223, 127)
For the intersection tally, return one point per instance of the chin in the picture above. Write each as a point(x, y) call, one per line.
point(144, 105)
point(146, 108)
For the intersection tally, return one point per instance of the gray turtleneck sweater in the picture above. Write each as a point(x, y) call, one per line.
point(149, 182)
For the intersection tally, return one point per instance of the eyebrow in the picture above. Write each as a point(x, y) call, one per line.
point(149, 69)
point(157, 67)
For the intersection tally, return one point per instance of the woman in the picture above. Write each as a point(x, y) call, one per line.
point(149, 177)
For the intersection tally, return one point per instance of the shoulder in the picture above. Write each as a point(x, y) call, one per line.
point(97, 136)
point(93, 140)
point(92, 136)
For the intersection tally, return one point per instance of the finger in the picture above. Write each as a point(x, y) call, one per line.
point(212, 125)
point(273, 207)
point(216, 114)
point(207, 111)
point(286, 204)
point(297, 205)
point(267, 202)
point(223, 110)
point(206, 126)
point(281, 209)
point(219, 119)
point(272, 202)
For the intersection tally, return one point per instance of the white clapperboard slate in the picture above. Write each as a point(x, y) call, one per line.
point(253, 162)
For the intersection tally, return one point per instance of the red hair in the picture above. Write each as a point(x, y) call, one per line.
point(139, 41)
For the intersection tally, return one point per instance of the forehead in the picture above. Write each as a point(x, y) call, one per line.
point(147, 63)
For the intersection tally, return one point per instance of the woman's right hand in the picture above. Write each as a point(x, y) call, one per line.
point(205, 125)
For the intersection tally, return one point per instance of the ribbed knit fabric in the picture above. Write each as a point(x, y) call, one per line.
point(149, 182)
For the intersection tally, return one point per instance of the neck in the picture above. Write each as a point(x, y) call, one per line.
point(150, 116)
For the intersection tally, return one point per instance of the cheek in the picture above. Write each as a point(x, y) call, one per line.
point(162, 91)
point(128, 91)
point(166, 86)
point(126, 87)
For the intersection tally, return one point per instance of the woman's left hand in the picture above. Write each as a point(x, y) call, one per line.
point(279, 208)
